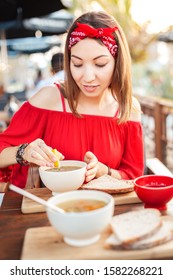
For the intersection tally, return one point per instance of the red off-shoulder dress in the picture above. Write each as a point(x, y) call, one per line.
point(119, 146)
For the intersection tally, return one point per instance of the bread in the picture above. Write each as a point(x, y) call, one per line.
point(163, 235)
point(108, 184)
point(135, 225)
point(112, 242)
point(168, 219)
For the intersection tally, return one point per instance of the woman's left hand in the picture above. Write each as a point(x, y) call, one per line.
point(92, 166)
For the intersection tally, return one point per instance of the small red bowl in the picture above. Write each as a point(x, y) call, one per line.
point(154, 190)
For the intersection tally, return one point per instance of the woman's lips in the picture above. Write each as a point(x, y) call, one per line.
point(90, 88)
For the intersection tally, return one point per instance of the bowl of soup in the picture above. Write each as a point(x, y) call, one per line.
point(87, 213)
point(69, 176)
point(155, 191)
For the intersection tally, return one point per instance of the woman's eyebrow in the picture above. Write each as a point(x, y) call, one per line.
point(75, 56)
point(103, 55)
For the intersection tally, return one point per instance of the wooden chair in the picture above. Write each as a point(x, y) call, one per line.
point(155, 166)
point(33, 180)
point(3, 187)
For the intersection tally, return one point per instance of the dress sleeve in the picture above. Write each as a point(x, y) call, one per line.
point(27, 124)
point(132, 164)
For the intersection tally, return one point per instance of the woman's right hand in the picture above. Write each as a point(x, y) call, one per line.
point(37, 152)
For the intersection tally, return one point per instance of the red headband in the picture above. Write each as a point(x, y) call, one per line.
point(104, 34)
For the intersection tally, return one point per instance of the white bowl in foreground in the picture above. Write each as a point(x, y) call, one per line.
point(63, 181)
point(81, 228)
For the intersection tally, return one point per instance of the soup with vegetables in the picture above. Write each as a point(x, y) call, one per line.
point(63, 168)
point(81, 205)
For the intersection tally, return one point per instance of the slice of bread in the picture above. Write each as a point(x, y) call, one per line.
point(112, 242)
point(162, 236)
point(135, 225)
point(108, 184)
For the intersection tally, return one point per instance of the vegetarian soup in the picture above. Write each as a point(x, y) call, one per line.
point(63, 168)
point(81, 205)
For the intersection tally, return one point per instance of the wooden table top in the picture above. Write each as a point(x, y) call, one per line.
point(13, 224)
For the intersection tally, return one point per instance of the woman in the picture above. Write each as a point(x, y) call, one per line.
point(92, 117)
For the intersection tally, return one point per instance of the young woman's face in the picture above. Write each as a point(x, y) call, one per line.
point(91, 66)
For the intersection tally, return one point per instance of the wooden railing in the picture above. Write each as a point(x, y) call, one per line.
point(157, 122)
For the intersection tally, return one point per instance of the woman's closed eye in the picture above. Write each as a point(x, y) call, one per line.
point(101, 65)
point(97, 65)
point(77, 65)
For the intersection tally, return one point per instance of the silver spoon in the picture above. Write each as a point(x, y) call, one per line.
point(36, 198)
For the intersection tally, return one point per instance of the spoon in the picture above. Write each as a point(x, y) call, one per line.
point(36, 198)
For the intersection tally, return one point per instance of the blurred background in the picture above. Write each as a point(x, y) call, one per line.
point(30, 33)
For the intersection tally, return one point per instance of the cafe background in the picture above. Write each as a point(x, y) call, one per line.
point(149, 31)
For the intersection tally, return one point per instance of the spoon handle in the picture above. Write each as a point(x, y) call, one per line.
point(35, 198)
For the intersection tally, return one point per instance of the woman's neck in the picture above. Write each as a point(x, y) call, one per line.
point(103, 105)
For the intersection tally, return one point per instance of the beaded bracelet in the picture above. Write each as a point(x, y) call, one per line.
point(19, 154)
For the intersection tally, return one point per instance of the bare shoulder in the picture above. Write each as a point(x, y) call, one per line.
point(47, 97)
point(136, 110)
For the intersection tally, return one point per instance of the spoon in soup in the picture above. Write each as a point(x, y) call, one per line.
point(36, 199)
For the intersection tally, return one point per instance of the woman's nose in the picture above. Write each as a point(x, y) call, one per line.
point(89, 74)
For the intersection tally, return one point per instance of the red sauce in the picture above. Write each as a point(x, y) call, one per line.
point(155, 185)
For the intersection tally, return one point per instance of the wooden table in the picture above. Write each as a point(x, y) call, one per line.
point(13, 224)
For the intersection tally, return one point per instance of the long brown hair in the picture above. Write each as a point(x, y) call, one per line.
point(121, 84)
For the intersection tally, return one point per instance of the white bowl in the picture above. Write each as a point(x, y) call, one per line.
point(81, 228)
point(59, 182)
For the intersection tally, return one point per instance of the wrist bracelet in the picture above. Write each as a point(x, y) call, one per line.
point(20, 153)
point(109, 171)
